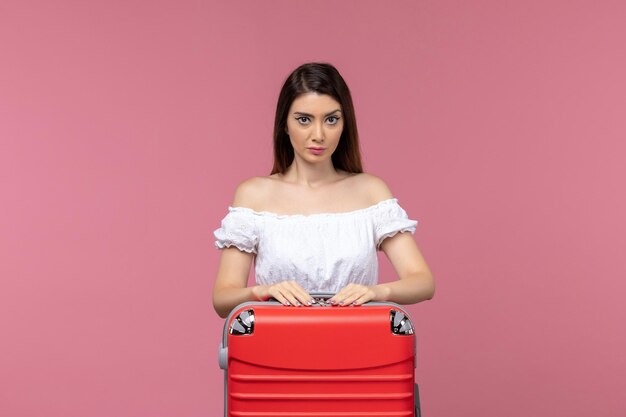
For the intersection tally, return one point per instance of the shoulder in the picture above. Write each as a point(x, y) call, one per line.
point(250, 192)
point(373, 187)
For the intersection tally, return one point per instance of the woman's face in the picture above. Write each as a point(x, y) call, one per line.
point(314, 126)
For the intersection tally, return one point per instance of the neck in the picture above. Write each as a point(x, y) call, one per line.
point(311, 175)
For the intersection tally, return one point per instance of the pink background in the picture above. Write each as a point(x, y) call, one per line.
point(126, 125)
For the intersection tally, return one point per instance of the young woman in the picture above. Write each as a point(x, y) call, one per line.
point(315, 223)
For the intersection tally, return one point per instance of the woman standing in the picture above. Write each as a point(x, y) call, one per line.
point(315, 223)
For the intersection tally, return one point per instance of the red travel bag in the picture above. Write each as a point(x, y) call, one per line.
point(318, 361)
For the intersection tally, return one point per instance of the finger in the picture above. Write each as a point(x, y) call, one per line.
point(349, 299)
point(289, 290)
point(350, 293)
point(363, 299)
point(342, 293)
point(289, 295)
point(292, 300)
point(337, 298)
point(299, 293)
point(344, 298)
point(306, 298)
point(277, 294)
point(359, 292)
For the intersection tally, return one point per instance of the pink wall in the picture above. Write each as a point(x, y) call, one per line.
point(125, 127)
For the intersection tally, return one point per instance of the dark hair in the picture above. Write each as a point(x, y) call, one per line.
point(320, 78)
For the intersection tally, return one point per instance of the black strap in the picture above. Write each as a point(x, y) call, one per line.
point(418, 411)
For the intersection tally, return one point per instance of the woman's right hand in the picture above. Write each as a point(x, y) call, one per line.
point(286, 292)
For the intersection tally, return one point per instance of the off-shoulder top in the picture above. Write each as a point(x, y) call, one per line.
point(323, 252)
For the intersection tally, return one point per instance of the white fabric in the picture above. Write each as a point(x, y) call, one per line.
point(323, 252)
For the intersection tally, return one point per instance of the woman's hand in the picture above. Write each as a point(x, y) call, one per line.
point(286, 292)
point(357, 294)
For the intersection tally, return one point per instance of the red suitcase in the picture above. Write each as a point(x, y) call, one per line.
point(319, 361)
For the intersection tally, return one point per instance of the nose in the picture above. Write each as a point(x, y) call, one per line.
point(318, 132)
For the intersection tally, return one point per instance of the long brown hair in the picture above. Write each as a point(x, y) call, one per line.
point(321, 78)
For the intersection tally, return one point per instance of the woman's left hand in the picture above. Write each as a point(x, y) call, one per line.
point(353, 294)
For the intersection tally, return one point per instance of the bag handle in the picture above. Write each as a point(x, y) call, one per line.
point(324, 295)
point(318, 297)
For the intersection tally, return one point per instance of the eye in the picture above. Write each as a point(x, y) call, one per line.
point(303, 120)
point(332, 120)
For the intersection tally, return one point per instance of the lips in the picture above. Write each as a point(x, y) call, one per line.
point(316, 151)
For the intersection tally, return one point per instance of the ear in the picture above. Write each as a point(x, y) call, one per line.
point(286, 131)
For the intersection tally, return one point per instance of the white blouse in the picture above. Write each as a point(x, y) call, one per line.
point(323, 252)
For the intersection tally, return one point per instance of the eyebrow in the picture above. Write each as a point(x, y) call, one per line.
point(310, 115)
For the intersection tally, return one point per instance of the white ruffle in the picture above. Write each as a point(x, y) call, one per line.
point(238, 229)
point(391, 221)
point(323, 252)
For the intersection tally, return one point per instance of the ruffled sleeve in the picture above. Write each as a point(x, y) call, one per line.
point(390, 220)
point(238, 229)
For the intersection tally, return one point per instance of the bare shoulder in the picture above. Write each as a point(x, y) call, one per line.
point(374, 187)
point(249, 193)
